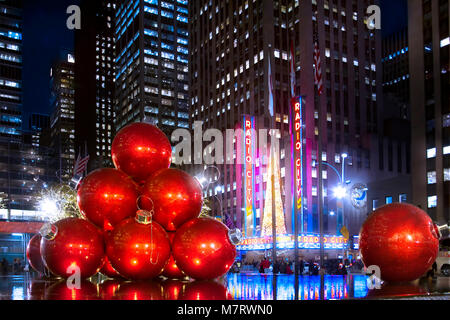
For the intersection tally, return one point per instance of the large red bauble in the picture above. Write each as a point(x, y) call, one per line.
point(205, 290)
point(140, 149)
point(202, 249)
point(176, 196)
point(171, 270)
point(107, 196)
point(34, 254)
point(401, 239)
point(77, 243)
point(132, 251)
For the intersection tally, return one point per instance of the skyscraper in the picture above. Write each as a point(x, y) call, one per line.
point(152, 63)
point(231, 45)
point(94, 82)
point(62, 120)
point(11, 68)
point(429, 46)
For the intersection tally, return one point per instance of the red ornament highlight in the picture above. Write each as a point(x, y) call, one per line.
point(140, 149)
point(401, 239)
point(34, 254)
point(107, 196)
point(176, 196)
point(72, 242)
point(202, 249)
point(171, 270)
point(138, 250)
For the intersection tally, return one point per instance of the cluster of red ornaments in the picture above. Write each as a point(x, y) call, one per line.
point(141, 220)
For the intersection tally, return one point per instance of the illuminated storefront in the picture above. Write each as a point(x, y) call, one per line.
point(305, 241)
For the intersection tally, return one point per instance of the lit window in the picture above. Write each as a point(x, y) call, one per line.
point(402, 198)
point(447, 174)
point(431, 177)
point(431, 153)
point(388, 200)
point(432, 202)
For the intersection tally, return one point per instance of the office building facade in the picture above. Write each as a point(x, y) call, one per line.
point(62, 120)
point(94, 82)
point(151, 81)
point(429, 46)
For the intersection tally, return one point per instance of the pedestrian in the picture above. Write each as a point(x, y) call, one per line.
point(5, 266)
point(302, 266)
point(288, 269)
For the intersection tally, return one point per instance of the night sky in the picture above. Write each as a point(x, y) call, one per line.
point(46, 39)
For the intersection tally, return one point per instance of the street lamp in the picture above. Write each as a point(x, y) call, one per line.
point(340, 192)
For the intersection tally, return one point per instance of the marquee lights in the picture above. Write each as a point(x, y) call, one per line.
point(249, 217)
point(305, 241)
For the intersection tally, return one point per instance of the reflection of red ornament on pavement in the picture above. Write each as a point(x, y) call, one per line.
point(173, 289)
point(34, 254)
point(177, 197)
point(72, 242)
point(107, 196)
point(140, 149)
point(108, 270)
point(171, 270)
point(202, 248)
point(60, 291)
point(140, 290)
point(401, 240)
point(109, 289)
point(138, 250)
point(205, 290)
point(397, 290)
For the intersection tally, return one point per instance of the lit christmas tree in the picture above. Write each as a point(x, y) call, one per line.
point(279, 214)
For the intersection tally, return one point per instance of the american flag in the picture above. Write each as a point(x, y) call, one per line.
point(318, 70)
point(80, 165)
point(292, 71)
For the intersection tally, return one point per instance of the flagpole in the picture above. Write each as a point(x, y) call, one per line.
point(272, 155)
point(292, 72)
point(319, 155)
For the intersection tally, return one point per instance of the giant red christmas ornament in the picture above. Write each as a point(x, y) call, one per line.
point(171, 270)
point(140, 149)
point(138, 249)
point(107, 196)
point(401, 240)
point(72, 243)
point(34, 254)
point(205, 290)
point(176, 196)
point(202, 248)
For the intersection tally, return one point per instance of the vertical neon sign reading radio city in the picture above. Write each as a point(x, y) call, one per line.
point(298, 143)
point(249, 217)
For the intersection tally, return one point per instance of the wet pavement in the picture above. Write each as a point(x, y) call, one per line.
point(247, 286)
